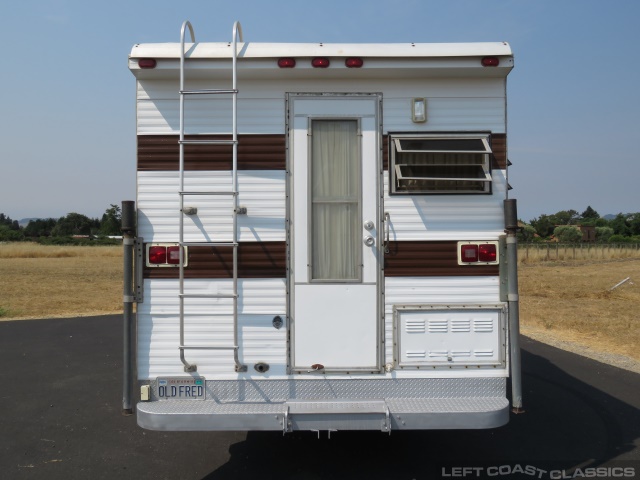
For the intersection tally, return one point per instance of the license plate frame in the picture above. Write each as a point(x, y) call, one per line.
point(181, 388)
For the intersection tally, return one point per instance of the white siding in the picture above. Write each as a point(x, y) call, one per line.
point(447, 217)
point(446, 114)
point(452, 104)
point(209, 322)
point(261, 191)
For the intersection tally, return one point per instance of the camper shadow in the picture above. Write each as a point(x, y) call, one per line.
point(568, 424)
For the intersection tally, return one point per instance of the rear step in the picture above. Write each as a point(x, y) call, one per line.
point(328, 415)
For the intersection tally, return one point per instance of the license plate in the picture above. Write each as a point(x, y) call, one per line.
point(181, 388)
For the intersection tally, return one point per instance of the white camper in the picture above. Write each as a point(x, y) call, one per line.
point(321, 236)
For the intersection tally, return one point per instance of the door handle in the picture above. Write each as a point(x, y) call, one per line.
point(369, 241)
point(387, 222)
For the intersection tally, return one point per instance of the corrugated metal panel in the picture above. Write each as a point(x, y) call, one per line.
point(210, 322)
point(447, 217)
point(261, 191)
point(255, 260)
point(435, 290)
point(430, 259)
point(255, 152)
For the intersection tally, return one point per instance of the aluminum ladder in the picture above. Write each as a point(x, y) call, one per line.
point(233, 92)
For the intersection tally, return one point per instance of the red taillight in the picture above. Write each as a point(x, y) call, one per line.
point(469, 253)
point(478, 253)
point(166, 255)
point(173, 255)
point(320, 62)
point(353, 62)
point(286, 62)
point(490, 61)
point(157, 255)
point(487, 252)
point(147, 63)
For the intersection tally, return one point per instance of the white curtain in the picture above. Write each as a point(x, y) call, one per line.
point(336, 250)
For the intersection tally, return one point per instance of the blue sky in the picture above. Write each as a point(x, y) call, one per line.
point(67, 102)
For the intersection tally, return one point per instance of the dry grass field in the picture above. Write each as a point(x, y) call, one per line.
point(574, 302)
point(41, 281)
point(570, 301)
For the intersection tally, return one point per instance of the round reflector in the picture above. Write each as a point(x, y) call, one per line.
point(320, 62)
point(286, 62)
point(353, 62)
point(490, 61)
point(147, 63)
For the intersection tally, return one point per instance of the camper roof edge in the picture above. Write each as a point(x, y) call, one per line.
point(370, 50)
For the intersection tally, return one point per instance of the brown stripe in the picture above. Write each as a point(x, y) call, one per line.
point(255, 260)
point(255, 152)
point(430, 259)
point(499, 148)
point(385, 152)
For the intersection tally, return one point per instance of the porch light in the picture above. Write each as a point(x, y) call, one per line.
point(419, 110)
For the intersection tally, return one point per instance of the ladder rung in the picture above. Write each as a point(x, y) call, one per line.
point(207, 295)
point(207, 142)
point(208, 193)
point(209, 244)
point(209, 91)
point(183, 347)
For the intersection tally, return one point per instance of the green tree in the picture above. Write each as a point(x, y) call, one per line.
point(568, 234)
point(526, 234)
point(543, 225)
point(589, 216)
point(41, 227)
point(111, 220)
point(634, 223)
point(565, 217)
point(620, 225)
point(74, 224)
point(8, 234)
point(603, 234)
point(8, 222)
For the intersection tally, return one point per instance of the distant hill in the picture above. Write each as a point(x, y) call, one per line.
point(611, 216)
point(25, 221)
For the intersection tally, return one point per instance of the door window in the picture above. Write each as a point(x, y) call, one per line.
point(336, 252)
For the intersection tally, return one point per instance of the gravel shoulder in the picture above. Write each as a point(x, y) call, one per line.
point(614, 359)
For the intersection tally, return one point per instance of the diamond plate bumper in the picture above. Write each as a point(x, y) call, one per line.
point(352, 405)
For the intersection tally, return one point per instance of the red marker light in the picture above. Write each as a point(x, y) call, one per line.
point(353, 62)
point(157, 255)
point(487, 252)
point(286, 62)
point(490, 61)
point(147, 63)
point(320, 62)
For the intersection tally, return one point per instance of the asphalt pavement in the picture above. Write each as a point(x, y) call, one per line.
point(60, 418)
